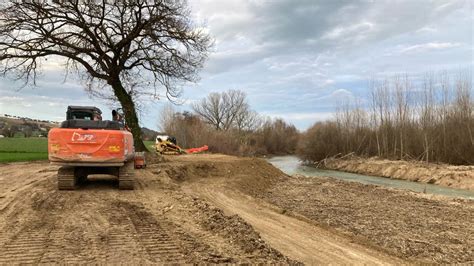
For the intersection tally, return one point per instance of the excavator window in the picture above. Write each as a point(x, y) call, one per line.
point(82, 112)
point(81, 115)
point(88, 117)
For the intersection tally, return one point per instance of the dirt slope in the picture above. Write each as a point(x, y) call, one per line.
point(220, 209)
point(100, 224)
point(427, 228)
point(297, 239)
point(411, 226)
point(440, 174)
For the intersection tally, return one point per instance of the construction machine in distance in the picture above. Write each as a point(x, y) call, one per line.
point(167, 145)
point(85, 145)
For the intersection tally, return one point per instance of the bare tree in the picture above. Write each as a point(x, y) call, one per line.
point(6, 131)
point(223, 110)
point(234, 104)
point(13, 130)
point(27, 131)
point(431, 120)
point(427, 117)
point(122, 48)
point(211, 110)
point(402, 87)
point(248, 120)
point(166, 117)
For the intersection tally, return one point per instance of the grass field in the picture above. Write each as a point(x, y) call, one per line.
point(23, 149)
point(31, 149)
point(150, 145)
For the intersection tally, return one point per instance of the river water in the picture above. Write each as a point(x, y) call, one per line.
point(292, 165)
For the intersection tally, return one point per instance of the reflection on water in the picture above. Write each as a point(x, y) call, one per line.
point(291, 165)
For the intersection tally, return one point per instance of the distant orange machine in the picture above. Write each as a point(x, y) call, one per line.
point(196, 150)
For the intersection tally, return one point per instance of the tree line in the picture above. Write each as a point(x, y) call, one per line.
point(431, 120)
point(226, 123)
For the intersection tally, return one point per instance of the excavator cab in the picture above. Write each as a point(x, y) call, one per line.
point(88, 117)
point(82, 112)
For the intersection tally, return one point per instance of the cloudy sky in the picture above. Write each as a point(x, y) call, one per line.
point(295, 59)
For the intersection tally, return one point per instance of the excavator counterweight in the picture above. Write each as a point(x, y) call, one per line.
point(84, 144)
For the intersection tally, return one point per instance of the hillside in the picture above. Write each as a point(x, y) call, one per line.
point(14, 126)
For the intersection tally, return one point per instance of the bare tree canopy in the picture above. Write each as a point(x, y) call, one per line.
point(134, 46)
point(226, 110)
point(432, 120)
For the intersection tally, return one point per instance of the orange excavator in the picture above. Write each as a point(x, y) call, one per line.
point(84, 144)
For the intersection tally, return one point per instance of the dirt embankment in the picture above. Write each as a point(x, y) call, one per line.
point(224, 209)
point(440, 174)
point(155, 223)
point(313, 211)
point(409, 225)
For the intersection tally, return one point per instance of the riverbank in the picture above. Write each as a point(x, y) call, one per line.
point(412, 226)
point(461, 177)
point(416, 227)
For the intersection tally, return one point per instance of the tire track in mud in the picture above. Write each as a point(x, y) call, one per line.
point(153, 236)
point(27, 247)
point(133, 233)
point(47, 246)
point(119, 237)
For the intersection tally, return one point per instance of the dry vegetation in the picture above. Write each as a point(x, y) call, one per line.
point(432, 120)
point(225, 122)
point(429, 119)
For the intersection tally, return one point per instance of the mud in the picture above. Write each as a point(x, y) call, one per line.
point(440, 174)
point(223, 209)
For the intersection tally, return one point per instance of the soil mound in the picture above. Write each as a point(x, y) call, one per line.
point(249, 174)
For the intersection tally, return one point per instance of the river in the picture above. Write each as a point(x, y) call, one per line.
point(292, 165)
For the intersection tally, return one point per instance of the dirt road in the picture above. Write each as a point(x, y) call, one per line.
point(295, 238)
point(188, 209)
point(100, 224)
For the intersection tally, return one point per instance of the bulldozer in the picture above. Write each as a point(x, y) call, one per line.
point(167, 145)
point(84, 144)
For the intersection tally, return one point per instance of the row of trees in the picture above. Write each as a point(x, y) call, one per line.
point(432, 120)
point(27, 129)
point(226, 123)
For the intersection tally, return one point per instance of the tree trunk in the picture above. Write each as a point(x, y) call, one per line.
point(131, 118)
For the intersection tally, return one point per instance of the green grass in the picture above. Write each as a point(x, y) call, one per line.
point(150, 145)
point(22, 156)
point(30, 149)
point(23, 149)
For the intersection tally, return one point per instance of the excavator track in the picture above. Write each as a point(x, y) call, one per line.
point(66, 178)
point(126, 176)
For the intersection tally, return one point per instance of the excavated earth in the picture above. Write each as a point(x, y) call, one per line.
point(455, 176)
point(223, 209)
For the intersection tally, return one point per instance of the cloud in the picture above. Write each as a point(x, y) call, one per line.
point(295, 59)
point(429, 46)
point(41, 107)
point(352, 32)
point(249, 31)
